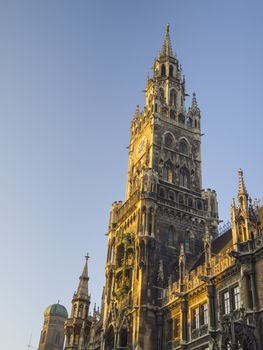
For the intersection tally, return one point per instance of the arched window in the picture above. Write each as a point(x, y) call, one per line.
point(75, 312)
point(143, 220)
point(123, 338)
point(184, 178)
point(163, 71)
point(172, 98)
point(190, 202)
point(171, 235)
point(183, 147)
point(168, 172)
point(181, 118)
point(195, 123)
point(150, 221)
point(168, 141)
point(80, 312)
point(109, 339)
point(172, 114)
point(171, 71)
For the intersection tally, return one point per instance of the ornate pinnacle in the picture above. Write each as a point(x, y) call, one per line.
point(242, 188)
point(167, 47)
point(137, 111)
point(194, 106)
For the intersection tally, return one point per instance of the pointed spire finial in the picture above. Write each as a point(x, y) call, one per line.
point(167, 47)
point(194, 106)
point(242, 187)
point(83, 279)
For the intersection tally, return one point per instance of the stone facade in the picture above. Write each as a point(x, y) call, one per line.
point(171, 281)
point(165, 207)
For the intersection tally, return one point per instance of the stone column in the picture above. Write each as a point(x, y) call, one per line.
point(184, 309)
point(211, 307)
point(254, 290)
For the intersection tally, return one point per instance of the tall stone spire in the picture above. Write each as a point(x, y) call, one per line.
point(83, 280)
point(77, 327)
point(167, 47)
point(194, 105)
point(242, 188)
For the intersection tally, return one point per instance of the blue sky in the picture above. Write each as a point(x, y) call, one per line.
point(71, 74)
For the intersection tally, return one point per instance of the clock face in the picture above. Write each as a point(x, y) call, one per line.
point(141, 146)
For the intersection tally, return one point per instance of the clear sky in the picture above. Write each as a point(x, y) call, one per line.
point(71, 74)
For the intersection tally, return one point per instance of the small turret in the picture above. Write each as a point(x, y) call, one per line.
point(52, 335)
point(77, 327)
point(244, 217)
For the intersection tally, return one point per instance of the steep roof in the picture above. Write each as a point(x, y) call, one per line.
point(218, 244)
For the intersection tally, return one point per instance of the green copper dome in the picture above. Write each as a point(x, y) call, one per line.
point(56, 310)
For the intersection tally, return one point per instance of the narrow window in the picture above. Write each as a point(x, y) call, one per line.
point(176, 328)
point(168, 141)
point(184, 178)
point(195, 314)
point(226, 302)
point(169, 175)
point(236, 293)
point(172, 98)
point(171, 71)
point(171, 234)
point(183, 147)
point(204, 314)
point(163, 71)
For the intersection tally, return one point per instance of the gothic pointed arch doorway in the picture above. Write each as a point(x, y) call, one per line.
point(109, 339)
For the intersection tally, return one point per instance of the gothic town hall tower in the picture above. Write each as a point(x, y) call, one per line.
point(165, 209)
